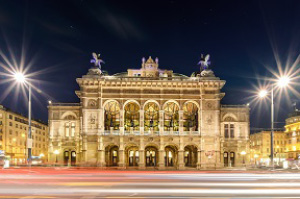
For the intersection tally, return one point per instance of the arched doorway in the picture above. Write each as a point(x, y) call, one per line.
point(151, 154)
point(170, 156)
point(66, 158)
point(133, 156)
point(190, 156)
point(112, 155)
point(151, 117)
point(232, 159)
point(73, 158)
point(225, 156)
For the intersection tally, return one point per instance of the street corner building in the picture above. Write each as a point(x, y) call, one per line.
point(149, 118)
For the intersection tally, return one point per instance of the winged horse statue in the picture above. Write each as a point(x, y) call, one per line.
point(204, 61)
point(96, 60)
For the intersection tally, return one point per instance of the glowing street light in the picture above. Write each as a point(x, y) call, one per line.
point(262, 93)
point(20, 78)
point(56, 152)
point(281, 82)
point(243, 153)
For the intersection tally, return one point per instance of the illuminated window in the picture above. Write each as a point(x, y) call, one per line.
point(73, 129)
point(232, 130)
point(67, 129)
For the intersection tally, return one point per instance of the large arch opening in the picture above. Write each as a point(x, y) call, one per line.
point(190, 156)
point(151, 116)
point(112, 155)
point(171, 116)
point(131, 116)
point(112, 116)
point(171, 154)
point(133, 156)
point(151, 153)
point(190, 117)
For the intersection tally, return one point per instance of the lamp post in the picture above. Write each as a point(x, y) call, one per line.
point(243, 153)
point(56, 152)
point(20, 78)
point(281, 82)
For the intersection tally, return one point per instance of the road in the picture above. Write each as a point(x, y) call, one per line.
point(93, 183)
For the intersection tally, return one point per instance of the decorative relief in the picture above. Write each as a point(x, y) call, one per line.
point(228, 119)
point(150, 139)
point(209, 119)
point(92, 103)
point(171, 139)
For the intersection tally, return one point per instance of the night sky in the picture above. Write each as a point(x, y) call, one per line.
point(244, 38)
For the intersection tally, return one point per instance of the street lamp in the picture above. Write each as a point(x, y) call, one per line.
point(20, 78)
point(243, 153)
point(56, 152)
point(281, 82)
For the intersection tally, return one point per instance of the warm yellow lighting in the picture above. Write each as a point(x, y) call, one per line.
point(255, 156)
point(243, 153)
point(294, 148)
point(19, 77)
point(14, 139)
point(277, 147)
point(262, 93)
point(56, 152)
point(23, 135)
point(49, 102)
point(283, 81)
point(42, 155)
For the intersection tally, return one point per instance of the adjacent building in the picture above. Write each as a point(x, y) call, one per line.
point(260, 143)
point(292, 131)
point(149, 118)
point(13, 137)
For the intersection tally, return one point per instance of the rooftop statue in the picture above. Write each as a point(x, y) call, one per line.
point(204, 62)
point(96, 60)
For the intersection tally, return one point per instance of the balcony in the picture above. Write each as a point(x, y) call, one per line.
point(149, 133)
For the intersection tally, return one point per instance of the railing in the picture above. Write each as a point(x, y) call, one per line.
point(182, 78)
point(149, 133)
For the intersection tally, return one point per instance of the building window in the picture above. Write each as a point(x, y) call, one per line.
point(67, 129)
point(226, 131)
point(10, 123)
point(73, 129)
point(232, 130)
point(10, 117)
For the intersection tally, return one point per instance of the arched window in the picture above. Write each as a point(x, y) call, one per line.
point(151, 116)
point(171, 116)
point(112, 115)
point(132, 116)
point(190, 117)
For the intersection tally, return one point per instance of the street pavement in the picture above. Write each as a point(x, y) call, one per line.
point(93, 183)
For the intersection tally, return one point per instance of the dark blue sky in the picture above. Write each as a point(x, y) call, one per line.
point(242, 37)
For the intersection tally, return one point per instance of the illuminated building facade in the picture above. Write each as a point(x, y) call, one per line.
point(13, 137)
point(149, 118)
point(292, 131)
point(260, 144)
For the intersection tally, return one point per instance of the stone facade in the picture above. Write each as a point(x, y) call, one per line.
point(149, 118)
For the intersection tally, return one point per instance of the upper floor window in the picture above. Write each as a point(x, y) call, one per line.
point(229, 130)
point(67, 129)
point(73, 129)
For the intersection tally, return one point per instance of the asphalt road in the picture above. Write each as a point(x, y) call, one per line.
point(90, 183)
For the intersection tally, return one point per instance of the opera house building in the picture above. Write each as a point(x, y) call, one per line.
point(149, 118)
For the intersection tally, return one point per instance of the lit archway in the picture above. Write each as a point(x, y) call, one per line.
point(131, 116)
point(151, 116)
point(190, 116)
point(171, 116)
point(190, 156)
point(112, 115)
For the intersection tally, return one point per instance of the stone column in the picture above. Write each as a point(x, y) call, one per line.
point(181, 160)
point(180, 122)
point(161, 160)
point(121, 122)
point(70, 156)
point(198, 159)
point(100, 153)
point(141, 122)
point(142, 154)
point(161, 122)
point(84, 150)
point(199, 122)
point(100, 121)
point(121, 162)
